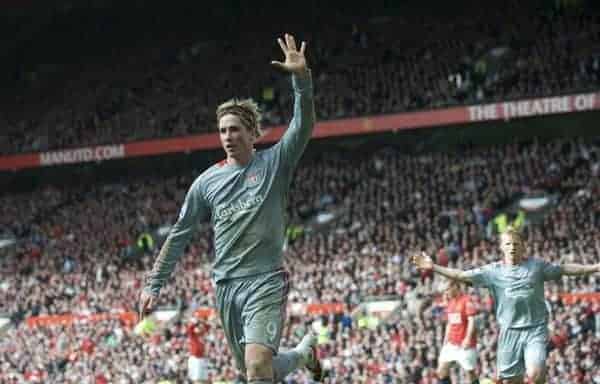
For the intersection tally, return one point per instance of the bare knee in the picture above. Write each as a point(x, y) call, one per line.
point(259, 368)
point(536, 376)
point(443, 370)
point(259, 362)
point(471, 376)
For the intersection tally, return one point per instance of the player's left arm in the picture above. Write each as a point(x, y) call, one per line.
point(446, 333)
point(298, 134)
point(470, 332)
point(579, 269)
point(471, 312)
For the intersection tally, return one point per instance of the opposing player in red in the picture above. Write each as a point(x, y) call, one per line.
point(460, 340)
point(197, 362)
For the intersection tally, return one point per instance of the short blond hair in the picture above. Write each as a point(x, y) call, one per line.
point(248, 112)
point(514, 233)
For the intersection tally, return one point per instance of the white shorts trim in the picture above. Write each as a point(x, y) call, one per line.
point(466, 358)
point(197, 368)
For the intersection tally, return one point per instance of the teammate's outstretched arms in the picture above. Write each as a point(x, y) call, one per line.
point(579, 269)
point(423, 261)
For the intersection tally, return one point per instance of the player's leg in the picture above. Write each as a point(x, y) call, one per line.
point(303, 355)
point(197, 370)
point(192, 369)
point(258, 359)
point(509, 358)
point(535, 354)
point(513, 380)
point(447, 357)
point(443, 373)
point(472, 377)
point(263, 317)
point(228, 297)
point(468, 362)
point(203, 372)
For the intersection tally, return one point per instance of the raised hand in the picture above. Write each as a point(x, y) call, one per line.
point(422, 261)
point(295, 62)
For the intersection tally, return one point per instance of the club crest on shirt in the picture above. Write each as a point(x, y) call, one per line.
point(254, 177)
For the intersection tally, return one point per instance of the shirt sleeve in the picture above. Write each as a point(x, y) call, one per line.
point(296, 137)
point(551, 271)
point(194, 210)
point(470, 307)
point(190, 330)
point(480, 277)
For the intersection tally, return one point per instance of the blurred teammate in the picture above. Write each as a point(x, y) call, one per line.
point(460, 340)
point(197, 362)
point(517, 286)
point(244, 196)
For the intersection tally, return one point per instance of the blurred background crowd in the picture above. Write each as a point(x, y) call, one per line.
point(123, 78)
point(355, 216)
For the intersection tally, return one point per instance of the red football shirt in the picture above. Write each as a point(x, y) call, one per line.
point(459, 309)
point(197, 348)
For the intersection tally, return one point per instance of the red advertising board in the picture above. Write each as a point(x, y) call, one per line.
point(356, 126)
point(129, 318)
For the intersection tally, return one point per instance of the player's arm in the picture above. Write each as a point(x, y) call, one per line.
point(553, 271)
point(446, 333)
point(470, 331)
point(471, 311)
point(193, 210)
point(579, 269)
point(301, 127)
point(423, 261)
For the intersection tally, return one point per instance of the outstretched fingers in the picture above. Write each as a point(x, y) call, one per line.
point(295, 61)
point(283, 46)
point(291, 42)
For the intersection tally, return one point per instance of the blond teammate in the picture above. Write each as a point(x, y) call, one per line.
point(517, 286)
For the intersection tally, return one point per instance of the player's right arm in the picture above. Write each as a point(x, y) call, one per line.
point(423, 261)
point(447, 332)
point(572, 270)
point(482, 276)
point(470, 332)
point(301, 127)
point(194, 209)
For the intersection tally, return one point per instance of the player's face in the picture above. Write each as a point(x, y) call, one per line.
point(512, 248)
point(452, 290)
point(236, 139)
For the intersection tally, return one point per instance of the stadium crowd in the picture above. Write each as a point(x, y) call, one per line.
point(74, 256)
point(81, 249)
point(362, 67)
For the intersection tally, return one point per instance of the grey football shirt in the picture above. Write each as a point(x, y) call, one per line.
point(518, 290)
point(245, 204)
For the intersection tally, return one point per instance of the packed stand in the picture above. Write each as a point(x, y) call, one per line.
point(170, 87)
point(73, 258)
